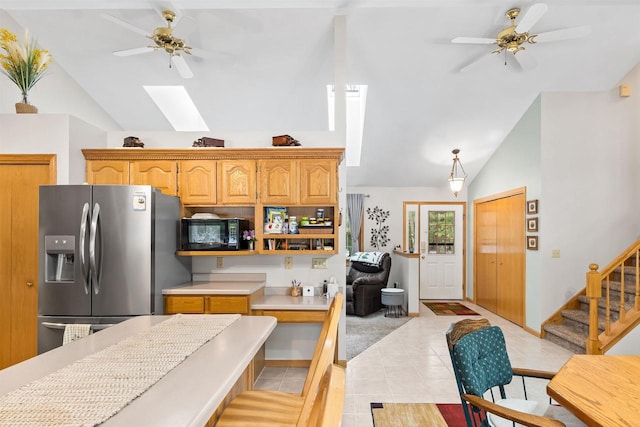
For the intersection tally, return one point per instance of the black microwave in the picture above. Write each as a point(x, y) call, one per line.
point(213, 234)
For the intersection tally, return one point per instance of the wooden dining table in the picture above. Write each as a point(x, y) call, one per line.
point(600, 390)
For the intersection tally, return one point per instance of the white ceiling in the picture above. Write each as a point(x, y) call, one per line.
point(265, 64)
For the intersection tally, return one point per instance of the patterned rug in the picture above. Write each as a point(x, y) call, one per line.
point(449, 308)
point(417, 414)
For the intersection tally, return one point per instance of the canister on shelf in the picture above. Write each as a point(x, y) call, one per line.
point(293, 225)
point(320, 213)
point(304, 221)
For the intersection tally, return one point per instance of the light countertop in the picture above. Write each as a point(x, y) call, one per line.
point(187, 395)
point(215, 288)
point(287, 302)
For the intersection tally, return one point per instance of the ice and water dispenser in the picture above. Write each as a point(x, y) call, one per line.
point(59, 258)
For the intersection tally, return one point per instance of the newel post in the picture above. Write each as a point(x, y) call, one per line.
point(594, 292)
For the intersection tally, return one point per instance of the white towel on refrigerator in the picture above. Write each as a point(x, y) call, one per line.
point(75, 331)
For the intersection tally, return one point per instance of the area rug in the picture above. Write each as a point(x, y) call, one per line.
point(363, 332)
point(449, 308)
point(417, 414)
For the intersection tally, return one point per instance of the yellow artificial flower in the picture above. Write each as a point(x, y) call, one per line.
point(23, 64)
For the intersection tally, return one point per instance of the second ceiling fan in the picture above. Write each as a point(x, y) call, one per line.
point(164, 40)
point(512, 38)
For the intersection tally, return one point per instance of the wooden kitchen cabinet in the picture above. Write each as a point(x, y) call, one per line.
point(162, 174)
point(236, 182)
point(108, 172)
point(318, 181)
point(198, 182)
point(211, 304)
point(278, 181)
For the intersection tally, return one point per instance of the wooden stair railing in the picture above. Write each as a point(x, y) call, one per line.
point(599, 343)
point(628, 319)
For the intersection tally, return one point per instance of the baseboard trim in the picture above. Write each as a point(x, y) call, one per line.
point(532, 331)
point(411, 314)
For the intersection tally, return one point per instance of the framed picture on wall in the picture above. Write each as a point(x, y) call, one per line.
point(532, 243)
point(532, 224)
point(532, 206)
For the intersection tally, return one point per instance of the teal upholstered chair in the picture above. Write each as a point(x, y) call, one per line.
point(482, 367)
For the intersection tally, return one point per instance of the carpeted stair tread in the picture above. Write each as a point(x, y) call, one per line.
point(568, 334)
point(602, 303)
point(580, 316)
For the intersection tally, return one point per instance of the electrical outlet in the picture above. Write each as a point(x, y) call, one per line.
point(319, 263)
point(220, 262)
point(288, 262)
point(555, 253)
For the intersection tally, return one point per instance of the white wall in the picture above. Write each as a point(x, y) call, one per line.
point(515, 164)
point(57, 134)
point(56, 93)
point(578, 153)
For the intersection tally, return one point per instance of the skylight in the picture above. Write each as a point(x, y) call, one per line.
point(176, 105)
point(356, 107)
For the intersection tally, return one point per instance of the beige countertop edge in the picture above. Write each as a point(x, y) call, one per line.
point(214, 288)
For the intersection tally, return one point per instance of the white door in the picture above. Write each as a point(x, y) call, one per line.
point(441, 248)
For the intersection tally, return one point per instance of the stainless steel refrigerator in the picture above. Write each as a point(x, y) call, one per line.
point(105, 254)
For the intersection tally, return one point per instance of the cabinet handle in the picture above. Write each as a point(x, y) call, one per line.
point(29, 284)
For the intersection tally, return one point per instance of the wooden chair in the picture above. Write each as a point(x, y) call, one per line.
point(481, 364)
point(275, 408)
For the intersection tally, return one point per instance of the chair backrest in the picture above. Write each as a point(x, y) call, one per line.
point(380, 272)
point(329, 404)
point(480, 362)
point(324, 358)
point(333, 315)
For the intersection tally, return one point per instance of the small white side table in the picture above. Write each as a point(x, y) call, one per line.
point(393, 299)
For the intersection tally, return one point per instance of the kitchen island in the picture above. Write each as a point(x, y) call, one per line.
point(188, 395)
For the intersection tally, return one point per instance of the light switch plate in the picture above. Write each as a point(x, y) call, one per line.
point(307, 291)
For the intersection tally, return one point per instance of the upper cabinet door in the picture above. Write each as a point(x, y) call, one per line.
point(278, 181)
point(108, 172)
point(162, 174)
point(198, 182)
point(318, 181)
point(236, 182)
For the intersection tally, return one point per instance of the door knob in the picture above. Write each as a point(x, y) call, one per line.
point(29, 284)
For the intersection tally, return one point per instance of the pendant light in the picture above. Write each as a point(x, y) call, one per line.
point(458, 175)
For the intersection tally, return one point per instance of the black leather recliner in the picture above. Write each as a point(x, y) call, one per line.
point(364, 286)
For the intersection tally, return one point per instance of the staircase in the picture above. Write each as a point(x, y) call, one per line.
point(600, 302)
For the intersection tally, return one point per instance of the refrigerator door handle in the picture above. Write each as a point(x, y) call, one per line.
point(83, 235)
point(95, 267)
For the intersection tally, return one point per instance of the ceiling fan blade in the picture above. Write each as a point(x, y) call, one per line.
point(182, 66)
point(530, 18)
point(564, 34)
point(134, 51)
point(124, 24)
point(473, 40)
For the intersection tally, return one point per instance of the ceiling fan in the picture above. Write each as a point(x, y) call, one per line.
point(163, 38)
point(513, 38)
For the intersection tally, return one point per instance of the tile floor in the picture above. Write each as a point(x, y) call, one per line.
point(412, 365)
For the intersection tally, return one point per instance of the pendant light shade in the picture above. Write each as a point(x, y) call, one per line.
point(458, 175)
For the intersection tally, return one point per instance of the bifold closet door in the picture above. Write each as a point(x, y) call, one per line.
point(510, 274)
point(485, 255)
point(500, 256)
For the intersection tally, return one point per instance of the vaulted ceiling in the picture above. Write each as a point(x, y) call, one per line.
point(264, 65)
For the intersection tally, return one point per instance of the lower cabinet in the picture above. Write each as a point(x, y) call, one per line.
point(210, 304)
